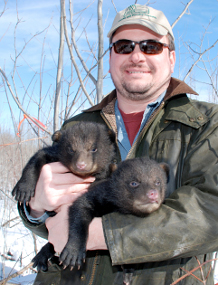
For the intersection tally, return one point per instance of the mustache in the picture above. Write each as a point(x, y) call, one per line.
point(138, 66)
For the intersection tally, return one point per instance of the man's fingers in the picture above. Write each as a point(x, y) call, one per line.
point(69, 198)
point(56, 167)
point(69, 178)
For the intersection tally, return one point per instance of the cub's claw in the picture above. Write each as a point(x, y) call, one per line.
point(72, 256)
point(42, 257)
point(40, 262)
point(22, 193)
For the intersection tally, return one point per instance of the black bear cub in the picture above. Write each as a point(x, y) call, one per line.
point(86, 149)
point(136, 187)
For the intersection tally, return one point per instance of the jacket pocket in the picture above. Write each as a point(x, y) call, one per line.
point(50, 277)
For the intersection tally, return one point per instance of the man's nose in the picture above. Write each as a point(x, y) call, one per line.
point(137, 55)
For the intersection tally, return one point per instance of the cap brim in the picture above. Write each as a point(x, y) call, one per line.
point(150, 25)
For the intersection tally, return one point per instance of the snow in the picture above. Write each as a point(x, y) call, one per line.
point(18, 240)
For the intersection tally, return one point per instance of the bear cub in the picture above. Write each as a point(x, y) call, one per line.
point(136, 187)
point(86, 149)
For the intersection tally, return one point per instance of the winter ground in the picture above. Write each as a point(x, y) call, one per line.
point(16, 246)
point(16, 243)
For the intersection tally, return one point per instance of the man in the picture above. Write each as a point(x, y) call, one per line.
point(152, 116)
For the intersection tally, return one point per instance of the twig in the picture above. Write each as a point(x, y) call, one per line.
point(4, 281)
point(7, 196)
point(11, 220)
point(100, 52)
point(4, 9)
point(114, 6)
point(199, 58)
point(202, 272)
point(18, 103)
point(5, 32)
point(191, 274)
point(71, 54)
point(59, 74)
point(183, 12)
point(211, 80)
point(8, 144)
point(7, 257)
point(76, 48)
point(193, 270)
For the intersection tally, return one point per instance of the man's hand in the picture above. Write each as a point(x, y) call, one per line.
point(58, 228)
point(56, 190)
point(58, 231)
point(56, 187)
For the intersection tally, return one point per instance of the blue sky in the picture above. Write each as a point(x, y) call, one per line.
point(36, 16)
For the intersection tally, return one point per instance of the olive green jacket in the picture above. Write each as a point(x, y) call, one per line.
point(184, 231)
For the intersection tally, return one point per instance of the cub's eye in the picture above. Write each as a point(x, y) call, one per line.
point(134, 184)
point(157, 183)
point(94, 149)
point(70, 150)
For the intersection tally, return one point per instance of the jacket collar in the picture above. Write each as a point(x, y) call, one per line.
point(176, 87)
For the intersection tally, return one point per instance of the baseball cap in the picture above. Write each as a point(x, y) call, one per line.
point(143, 15)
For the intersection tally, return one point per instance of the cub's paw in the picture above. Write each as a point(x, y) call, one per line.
point(22, 192)
point(73, 256)
point(41, 259)
point(41, 262)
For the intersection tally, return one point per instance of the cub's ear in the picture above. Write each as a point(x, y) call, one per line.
point(112, 136)
point(166, 169)
point(56, 136)
point(113, 167)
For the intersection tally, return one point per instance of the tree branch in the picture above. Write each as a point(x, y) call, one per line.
point(71, 54)
point(18, 103)
point(182, 14)
point(193, 270)
point(100, 53)
point(76, 48)
point(199, 58)
point(59, 73)
point(4, 281)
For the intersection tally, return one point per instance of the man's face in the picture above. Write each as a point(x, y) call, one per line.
point(138, 76)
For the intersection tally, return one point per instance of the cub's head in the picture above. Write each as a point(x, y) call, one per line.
point(86, 148)
point(141, 184)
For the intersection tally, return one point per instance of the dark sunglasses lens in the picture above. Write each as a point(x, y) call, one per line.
point(123, 47)
point(151, 47)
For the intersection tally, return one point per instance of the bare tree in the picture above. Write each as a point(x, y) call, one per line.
point(59, 71)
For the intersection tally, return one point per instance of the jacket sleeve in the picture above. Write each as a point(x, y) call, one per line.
point(37, 228)
point(187, 223)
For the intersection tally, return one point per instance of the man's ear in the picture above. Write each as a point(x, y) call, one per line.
point(56, 136)
point(109, 62)
point(172, 60)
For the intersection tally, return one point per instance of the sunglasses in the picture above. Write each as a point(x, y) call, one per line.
point(146, 46)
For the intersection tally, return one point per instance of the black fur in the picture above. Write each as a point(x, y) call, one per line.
point(136, 187)
point(86, 149)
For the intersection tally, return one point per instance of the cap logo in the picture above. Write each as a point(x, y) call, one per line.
point(133, 11)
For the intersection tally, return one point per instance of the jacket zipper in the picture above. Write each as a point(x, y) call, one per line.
point(150, 120)
point(94, 269)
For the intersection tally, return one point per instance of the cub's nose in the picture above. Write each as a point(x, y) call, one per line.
point(81, 165)
point(152, 194)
